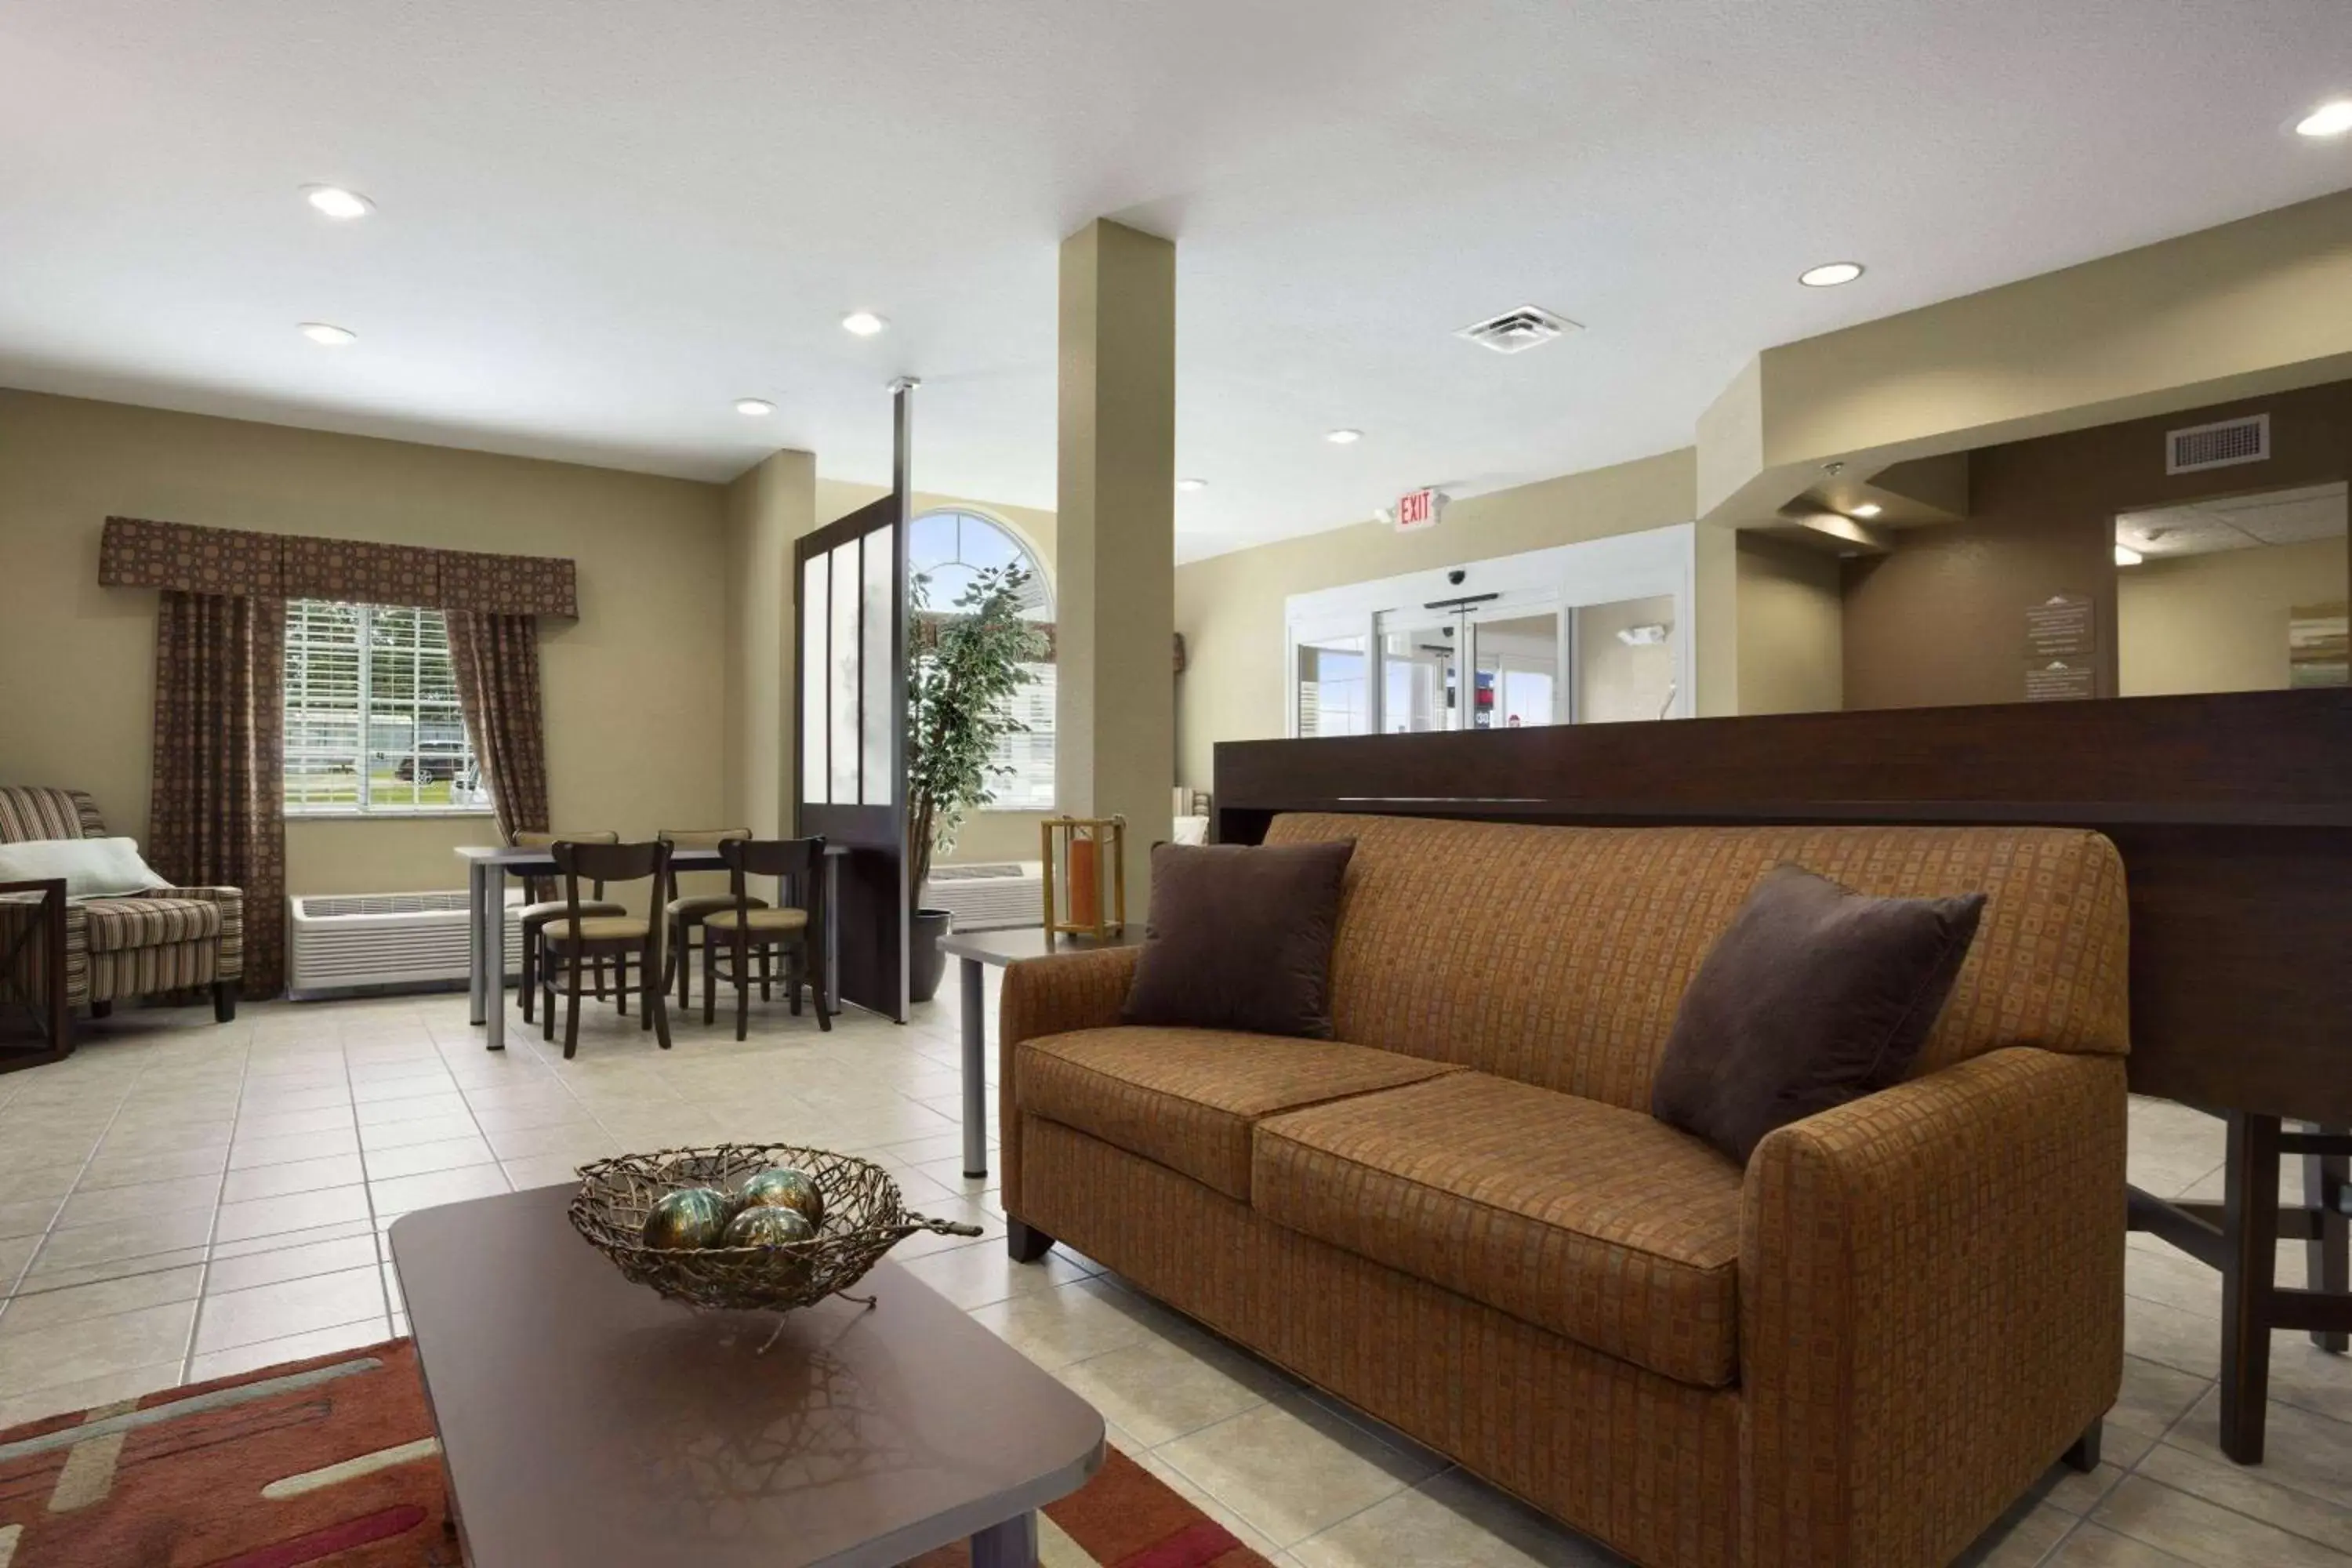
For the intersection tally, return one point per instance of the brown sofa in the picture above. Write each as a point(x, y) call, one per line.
point(1460, 1217)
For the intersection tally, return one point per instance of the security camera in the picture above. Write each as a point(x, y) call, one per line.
point(1457, 576)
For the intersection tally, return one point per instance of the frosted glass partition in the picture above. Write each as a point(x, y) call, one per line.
point(816, 579)
point(876, 786)
point(845, 686)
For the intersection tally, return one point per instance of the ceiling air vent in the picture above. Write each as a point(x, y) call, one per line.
point(1514, 331)
point(2222, 446)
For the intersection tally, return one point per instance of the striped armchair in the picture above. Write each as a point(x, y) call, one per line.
point(167, 939)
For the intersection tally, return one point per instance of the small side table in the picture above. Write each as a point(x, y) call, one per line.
point(982, 950)
point(33, 971)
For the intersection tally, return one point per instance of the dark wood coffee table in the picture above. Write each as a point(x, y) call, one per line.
point(585, 1420)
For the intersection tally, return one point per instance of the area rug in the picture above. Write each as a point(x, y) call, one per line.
point(333, 1461)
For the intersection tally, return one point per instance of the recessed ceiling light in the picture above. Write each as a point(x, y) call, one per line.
point(1868, 508)
point(1190, 485)
point(754, 406)
point(2127, 556)
point(1344, 437)
point(864, 323)
point(2328, 119)
point(336, 202)
point(328, 334)
point(1829, 275)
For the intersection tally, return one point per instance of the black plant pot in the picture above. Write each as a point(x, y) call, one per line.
point(925, 964)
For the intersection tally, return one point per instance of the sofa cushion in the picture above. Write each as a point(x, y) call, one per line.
point(117, 925)
point(1240, 938)
point(1598, 1223)
point(1816, 994)
point(1187, 1098)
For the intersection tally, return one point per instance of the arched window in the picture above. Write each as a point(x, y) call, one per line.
point(947, 549)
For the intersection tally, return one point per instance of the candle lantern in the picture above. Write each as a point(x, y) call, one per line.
point(1085, 875)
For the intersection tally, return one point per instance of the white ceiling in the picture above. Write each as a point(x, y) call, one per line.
point(602, 222)
point(2236, 522)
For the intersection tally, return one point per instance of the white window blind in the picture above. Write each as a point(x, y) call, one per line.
point(372, 722)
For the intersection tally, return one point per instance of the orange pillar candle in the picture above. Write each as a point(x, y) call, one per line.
point(1085, 882)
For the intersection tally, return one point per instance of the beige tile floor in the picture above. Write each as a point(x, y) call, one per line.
point(180, 1201)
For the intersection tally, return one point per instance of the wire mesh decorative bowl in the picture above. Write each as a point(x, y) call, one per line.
point(863, 1217)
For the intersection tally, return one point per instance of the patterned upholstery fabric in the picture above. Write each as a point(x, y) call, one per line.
point(758, 919)
point(1648, 1465)
point(117, 949)
point(1189, 1097)
point(115, 924)
point(1596, 1222)
point(1618, 919)
point(1931, 1285)
point(596, 928)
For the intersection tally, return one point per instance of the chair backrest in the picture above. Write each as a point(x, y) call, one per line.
point(602, 863)
point(798, 863)
point(31, 812)
point(1559, 955)
point(540, 889)
point(701, 837)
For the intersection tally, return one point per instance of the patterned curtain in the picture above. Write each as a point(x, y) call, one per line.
point(214, 818)
point(497, 662)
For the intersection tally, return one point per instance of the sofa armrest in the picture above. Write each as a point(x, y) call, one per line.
point(1050, 996)
point(1930, 1285)
point(230, 963)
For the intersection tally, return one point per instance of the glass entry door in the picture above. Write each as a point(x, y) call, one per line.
point(1421, 671)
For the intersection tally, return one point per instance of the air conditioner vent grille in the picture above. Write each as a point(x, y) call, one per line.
point(1516, 332)
point(2222, 445)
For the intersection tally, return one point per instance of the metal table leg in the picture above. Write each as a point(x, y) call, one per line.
point(975, 1068)
point(477, 967)
point(494, 953)
point(1011, 1544)
point(833, 934)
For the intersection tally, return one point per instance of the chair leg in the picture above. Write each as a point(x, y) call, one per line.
point(743, 986)
point(547, 996)
point(2250, 1223)
point(656, 1007)
point(709, 977)
point(1027, 1243)
point(2328, 1256)
point(225, 1001)
point(101, 1009)
point(2084, 1454)
point(767, 971)
point(571, 1005)
point(650, 985)
point(621, 982)
point(795, 962)
point(681, 954)
point(820, 978)
point(530, 970)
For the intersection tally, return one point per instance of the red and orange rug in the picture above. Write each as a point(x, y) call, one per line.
point(333, 1462)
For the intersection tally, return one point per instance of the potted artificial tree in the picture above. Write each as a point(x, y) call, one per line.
point(966, 667)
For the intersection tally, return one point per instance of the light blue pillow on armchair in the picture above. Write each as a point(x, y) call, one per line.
point(92, 868)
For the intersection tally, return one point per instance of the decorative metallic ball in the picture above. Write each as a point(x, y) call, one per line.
point(784, 1187)
point(689, 1217)
point(769, 1224)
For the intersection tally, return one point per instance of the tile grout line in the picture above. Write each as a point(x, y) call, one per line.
point(220, 1198)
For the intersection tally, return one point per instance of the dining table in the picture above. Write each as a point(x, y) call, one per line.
point(488, 866)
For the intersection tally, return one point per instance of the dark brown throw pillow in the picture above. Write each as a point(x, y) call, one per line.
point(1813, 996)
point(1240, 938)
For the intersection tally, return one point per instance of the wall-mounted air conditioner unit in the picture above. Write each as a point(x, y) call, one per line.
point(348, 944)
point(989, 896)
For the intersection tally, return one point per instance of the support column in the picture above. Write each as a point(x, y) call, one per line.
point(1115, 529)
point(767, 507)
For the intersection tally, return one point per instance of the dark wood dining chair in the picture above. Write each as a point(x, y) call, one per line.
point(685, 911)
point(541, 905)
point(794, 928)
point(575, 939)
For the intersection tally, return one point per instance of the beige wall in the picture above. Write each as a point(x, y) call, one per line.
point(987, 835)
point(2217, 622)
point(1229, 607)
point(633, 694)
point(767, 507)
point(1791, 629)
point(1619, 682)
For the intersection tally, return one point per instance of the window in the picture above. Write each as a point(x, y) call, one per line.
point(373, 722)
point(947, 549)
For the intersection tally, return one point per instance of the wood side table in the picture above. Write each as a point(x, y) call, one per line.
point(33, 971)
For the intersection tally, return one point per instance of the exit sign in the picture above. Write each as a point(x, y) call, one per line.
point(1419, 510)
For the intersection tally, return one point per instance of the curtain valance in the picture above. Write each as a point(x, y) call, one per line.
point(137, 552)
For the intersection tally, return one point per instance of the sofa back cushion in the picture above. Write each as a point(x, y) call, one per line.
point(33, 811)
point(1559, 955)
